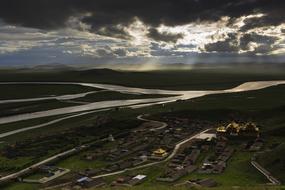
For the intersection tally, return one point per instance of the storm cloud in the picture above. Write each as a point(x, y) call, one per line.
point(250, 42)
point(164, 36)
point(109, 16)
point(88, 30)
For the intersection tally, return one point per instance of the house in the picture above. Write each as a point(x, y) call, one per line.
point(83, 180)
point(137, 179)
point(219, 167)
point(159, 154)
point(111, 138)
point(206, 168)
point(193, 156)
point(90, 172)
point(226, 154)
point(220, 146)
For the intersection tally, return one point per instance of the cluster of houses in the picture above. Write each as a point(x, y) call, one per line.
point(181, 165)
point(143, 145)
point(84, 182)
point(253, 146)
point(217, 162)
point(148, 143)
point(129, 180)
point(49, 173)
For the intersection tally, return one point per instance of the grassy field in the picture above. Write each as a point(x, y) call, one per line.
point(266, 107)
point(45, 142)
point(75, 163)
point(274, 161)
point(7, 164)
point(10, 109)
point(51, 129)
point(27, 123)
point(19, 91)
point(21, 186)
point(238, 173)
point(199, 79)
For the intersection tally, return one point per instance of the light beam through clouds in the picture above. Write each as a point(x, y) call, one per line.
point(161, 31)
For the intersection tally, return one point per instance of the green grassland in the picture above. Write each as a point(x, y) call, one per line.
point(21, 186)
point(10, 109)
point(238, 173)
point(26, 123)
point(47, 141)
point(19, 91)
point(266, 107)
point(51, 129)
point(74, 123)
point(76, 163)
point(197, 79)
point(274, 161)
point(15, 164)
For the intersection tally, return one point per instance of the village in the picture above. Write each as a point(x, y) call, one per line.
point(204, 148)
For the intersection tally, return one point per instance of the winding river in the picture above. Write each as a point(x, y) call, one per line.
point(135, 103)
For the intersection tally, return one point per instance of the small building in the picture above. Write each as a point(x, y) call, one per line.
point(193, 156)
point(137, 179)
point(83, 181)
point(159, 154)
point(111, 138)
point(219, 167)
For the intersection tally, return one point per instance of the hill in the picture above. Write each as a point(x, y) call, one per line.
point(197, 79)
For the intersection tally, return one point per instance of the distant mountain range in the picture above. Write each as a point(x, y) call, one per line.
point(112, 68)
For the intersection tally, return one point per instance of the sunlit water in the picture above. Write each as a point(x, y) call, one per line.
point(135, 103)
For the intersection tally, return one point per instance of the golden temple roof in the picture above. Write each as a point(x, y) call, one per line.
point(159, 151)
point(238, 127)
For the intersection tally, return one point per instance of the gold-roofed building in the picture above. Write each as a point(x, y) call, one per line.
point(238, 129)
point(159, 154)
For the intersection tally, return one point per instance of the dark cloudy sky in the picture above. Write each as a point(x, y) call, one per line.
point(103, 31)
